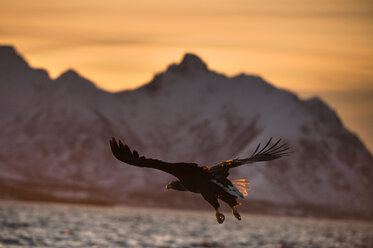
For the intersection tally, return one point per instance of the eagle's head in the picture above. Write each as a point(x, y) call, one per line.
point(176, 185)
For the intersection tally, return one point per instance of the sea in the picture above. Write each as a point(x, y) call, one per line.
point(30, 224)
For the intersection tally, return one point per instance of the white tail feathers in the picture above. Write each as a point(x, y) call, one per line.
point(241, 185)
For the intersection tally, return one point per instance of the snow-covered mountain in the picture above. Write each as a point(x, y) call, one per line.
point(54, 139)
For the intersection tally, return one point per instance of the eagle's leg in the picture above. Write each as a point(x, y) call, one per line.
point(232, 202)
point(236, 213)
point(214, 202)
point(219, 216)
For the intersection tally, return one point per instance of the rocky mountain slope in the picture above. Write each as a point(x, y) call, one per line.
point(54, 139)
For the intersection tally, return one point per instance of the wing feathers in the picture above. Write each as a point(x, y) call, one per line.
point(274, 151)
point(256, 150)
point(267, 153)
point(269, 141)
point(123, 153)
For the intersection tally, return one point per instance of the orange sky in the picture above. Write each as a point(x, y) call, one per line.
point(311, 47)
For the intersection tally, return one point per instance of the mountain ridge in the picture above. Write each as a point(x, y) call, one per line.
point(189, 114)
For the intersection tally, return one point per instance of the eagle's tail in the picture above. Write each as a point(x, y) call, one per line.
point(241, 185)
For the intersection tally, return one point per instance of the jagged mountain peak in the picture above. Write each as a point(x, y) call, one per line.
point(18, 72)
point(69, 74)
point(189, 68)
point(190, 63)
point(10, 58)
point(73, 78)
point(7, 49)
point(193, 61)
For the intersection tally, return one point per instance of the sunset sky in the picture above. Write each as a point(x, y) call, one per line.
point(310, 47)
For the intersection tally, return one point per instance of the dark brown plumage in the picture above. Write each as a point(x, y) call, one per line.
point(211, 182)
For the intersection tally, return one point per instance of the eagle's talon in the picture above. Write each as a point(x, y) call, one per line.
point(236, 214)
point(220, 218)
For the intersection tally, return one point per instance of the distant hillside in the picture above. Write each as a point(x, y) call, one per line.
point(54, 140)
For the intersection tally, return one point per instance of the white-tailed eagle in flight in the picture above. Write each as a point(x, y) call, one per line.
point(209, 181)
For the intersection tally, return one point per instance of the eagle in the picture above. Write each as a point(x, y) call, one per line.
point(210, 181)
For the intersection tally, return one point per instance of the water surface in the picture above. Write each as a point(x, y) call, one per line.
point(61, 225)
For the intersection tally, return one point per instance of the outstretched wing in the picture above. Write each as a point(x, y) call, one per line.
point(267, 153)
point(124, 154)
